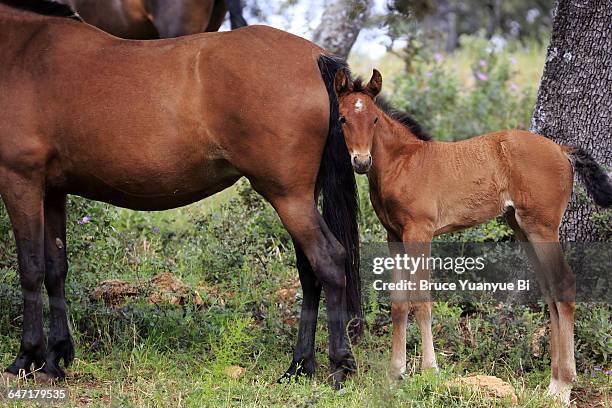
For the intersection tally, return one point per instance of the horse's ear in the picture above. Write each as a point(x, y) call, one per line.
point(341, 82)
point(375, 84)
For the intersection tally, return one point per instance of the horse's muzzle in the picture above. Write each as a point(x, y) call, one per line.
point(361, 163)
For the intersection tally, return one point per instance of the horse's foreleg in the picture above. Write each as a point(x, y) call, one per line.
point(24, 203)
point(400, 308)
point(304, 355)
point(418, 244)
point(60, 345)
point(327, 259)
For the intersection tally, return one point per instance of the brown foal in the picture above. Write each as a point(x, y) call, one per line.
point(421, 188)
point(152, 125)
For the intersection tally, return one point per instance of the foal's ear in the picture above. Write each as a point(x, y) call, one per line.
point(341, 82)
point(375, 84)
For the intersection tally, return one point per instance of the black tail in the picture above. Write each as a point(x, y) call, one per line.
point(340, 201)
point(595, 178)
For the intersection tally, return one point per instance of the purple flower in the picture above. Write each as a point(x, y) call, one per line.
point(84, 220)
point(482, 76)
point(428, 74)
point(514, 87)
point(513, 60)
point(438, 57)
point(155, 230)
point(608, 372)
point(482, 63)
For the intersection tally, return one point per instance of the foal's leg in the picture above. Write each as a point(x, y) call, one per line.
point(24, 202)
point(304, 355)
point(417, 244)
point(559, 290)
point(562, 313)
point(59, 344)
point(545, 286)
point(400, 308)
point(327, 259)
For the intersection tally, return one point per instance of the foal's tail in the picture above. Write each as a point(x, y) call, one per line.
point(595, 178)
point(340, 201)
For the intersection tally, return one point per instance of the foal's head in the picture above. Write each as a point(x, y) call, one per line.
point(358, 116)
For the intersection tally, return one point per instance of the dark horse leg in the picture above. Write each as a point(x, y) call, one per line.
point(174, 18)
point(326, 256)
point(59, 345)
point(235, 11)
point(23, 198)
point(303, 363)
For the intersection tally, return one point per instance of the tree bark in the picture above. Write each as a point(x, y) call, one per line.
point(574, 104)
point(340, 25)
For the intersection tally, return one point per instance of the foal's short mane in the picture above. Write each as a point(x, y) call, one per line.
point(398, 115)
point(43, 7)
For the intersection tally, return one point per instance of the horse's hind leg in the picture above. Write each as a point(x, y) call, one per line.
point(561, 305)
point(558, 286)
point(59, 345)
point(527, 246)
point(304, 354)
point(327, 259)
point(24, 203)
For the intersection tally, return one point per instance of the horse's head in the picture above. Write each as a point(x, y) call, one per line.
point(358, 116)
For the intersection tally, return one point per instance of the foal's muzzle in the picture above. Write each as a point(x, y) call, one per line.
point(361, 163)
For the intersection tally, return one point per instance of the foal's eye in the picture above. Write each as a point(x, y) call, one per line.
point(376, 120)
point(342, 119)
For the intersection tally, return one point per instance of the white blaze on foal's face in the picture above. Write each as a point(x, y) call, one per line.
point(358, 105)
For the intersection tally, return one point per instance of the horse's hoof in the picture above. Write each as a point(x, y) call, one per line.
point(336, 379)
point(560, 392)
point(40, 377)
point(298, 369)
point(61, 350)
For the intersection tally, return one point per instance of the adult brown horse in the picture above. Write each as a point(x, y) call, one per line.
point(420, 188)
point(149, 19)
point(161, 124)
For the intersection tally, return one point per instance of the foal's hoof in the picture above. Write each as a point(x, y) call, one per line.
point(298, 369)
point(560, 392)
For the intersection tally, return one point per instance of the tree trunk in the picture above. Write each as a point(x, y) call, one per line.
point(574, 104)
point(340, 25)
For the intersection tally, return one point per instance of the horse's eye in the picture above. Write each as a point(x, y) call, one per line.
point(342, 119)
point(376, 120)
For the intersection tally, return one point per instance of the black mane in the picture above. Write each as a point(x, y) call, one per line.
point(400, 116)
point(44, 7)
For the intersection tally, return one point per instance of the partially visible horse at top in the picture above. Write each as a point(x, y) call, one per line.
point(151, 19)
point(421, 188)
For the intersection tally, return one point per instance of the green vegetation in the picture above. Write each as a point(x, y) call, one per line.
point(233, 251)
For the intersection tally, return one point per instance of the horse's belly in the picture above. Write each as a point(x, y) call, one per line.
point(154, 188)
